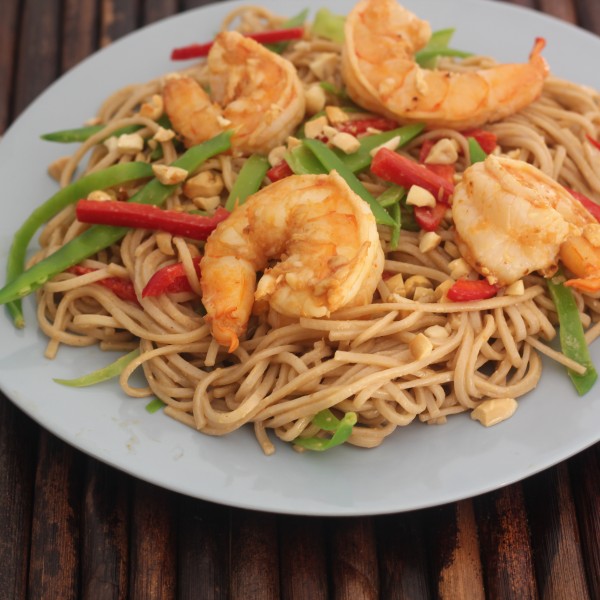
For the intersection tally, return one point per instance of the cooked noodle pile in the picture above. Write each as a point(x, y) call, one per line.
point(362, 359)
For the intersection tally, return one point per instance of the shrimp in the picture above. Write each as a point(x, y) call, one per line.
point(255, 92)
point(512, 219)
point(325, 237)
point(381, 74)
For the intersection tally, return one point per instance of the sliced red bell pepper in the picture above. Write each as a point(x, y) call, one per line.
point(145, 216)
point(486, 139)
point(429, 218)
point(467, 290)
point(262, 37)
point(588, 203)
point(592, 141)
point(425, 149)
point(279, 171)
point(170, 279)
point(359, 126)
point(445, 171)
point(406, 172)
point(119, 286)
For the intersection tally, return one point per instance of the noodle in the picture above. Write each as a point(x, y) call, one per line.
point(359, 360)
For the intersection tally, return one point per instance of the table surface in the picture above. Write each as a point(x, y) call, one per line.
point(73, 527)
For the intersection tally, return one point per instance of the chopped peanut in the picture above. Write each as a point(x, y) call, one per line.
point(423, 294)
point(164, 243)
point(315, 99)
point(293, 142)
point(346, 142)
point(420, 346)
point(276, 155)
point(55, 168)
point(222, 121)
point(436, 332)
point(441, 290)
point(314, 128)
point(429, 241)
point(336, 115)
point(205, 183)
point(396, 284)
point(207, 203)
point(169, 175)
point(418, 196)
point(491, 412)
point(517, 288)
point(415, 281)
point(153, 109)
point(130, 143)
point(100, 196)
point(459, 267)
point(443, 152)
point(163, 135)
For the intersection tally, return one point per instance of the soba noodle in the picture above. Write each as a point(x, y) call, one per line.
point(358, 360)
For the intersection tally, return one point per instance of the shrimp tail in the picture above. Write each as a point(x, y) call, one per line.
point(585, 284)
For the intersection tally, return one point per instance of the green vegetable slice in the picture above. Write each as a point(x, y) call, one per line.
point(329, 25)
point(572, 338)
point(248, 181)
point(326, 420)
point(154, 405)
point(104, 374)
point(476, 152)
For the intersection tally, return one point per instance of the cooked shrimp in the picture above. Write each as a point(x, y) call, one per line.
point(255, 92)
point(381, 74)
point(325, 237)
point(511, 219)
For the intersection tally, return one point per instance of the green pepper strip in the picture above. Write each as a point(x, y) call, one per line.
point(104, 374)
point(329, 25)
point(303, 162)
point(115, 175)
point(295, 21)
point(572, 338)
point(391, 195)
point(328, 422)
point(436, 47)
point(248, 181)
point(154, 405)
point(331, 162)
point(476, 152)
point(98, 237)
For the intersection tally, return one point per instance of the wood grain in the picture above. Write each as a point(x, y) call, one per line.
point(588, 14)
point(9, 18)
point(54, 569)
point(562, 9)
point(116, 19)
point(79, 31)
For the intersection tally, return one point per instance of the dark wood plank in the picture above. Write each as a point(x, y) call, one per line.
point(555, 535)
point(585, 478)
point(402, 556)
point(38, 49)
point(116, 19)
point(453, 542)
point(505, 545)
point(153, 569)
point(79, 37)
point(353, 557)
point(562, 9)
point(588, 15)
point(203, 550)
point(254, 556)
point(105, 529)
point(9, 12)
point(154, 10)
point(303, 559)
point(55, 535)
point(18, 441)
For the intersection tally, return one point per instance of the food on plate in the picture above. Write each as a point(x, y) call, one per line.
point(321, 241)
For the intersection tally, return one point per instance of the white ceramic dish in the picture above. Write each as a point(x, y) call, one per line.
point(417, 467)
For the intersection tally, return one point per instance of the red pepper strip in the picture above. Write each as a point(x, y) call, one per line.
point(169, 280)
point(466, 290)
point(144, 216)
point(279, 171)
point(486, 139)
point(429, 218)
point(592, 141)
point(119, 286)
point(425, 149)
point(445, 171)
point(405, 172)
point(262, 37)
point(589, 204)
point(358, 126)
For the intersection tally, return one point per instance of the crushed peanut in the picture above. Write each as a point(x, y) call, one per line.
point(429, 241)
point(206, 183)
point(420, 346)
point(336, 115)
point(443, 152)
point(293, 142)
point(436, 332)
point(314, 128)
point(130, 143)
point(222, 121)
point(324, 65)
point(392, 144)
point(208, 204)
point(153, 109)
point(418, 196)
point(100, 196)
point(276, 155)
point(459, 267)
point(56, 167)
point(491, 412)
point(441, 291)
point(415, 281)
point(423, 294)
point(517, 288)
point(163, 135)
point(315, 99)
point(164, 242)
point(346, 142)
point(168, 175)
point(396, 284)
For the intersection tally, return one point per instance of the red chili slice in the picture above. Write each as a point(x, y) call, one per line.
point(170, 279)
point(121, 287)
point(467, 290)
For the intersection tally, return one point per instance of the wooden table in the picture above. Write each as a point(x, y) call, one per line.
point(72, 527)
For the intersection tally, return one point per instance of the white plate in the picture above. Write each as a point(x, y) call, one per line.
point(418, 466)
